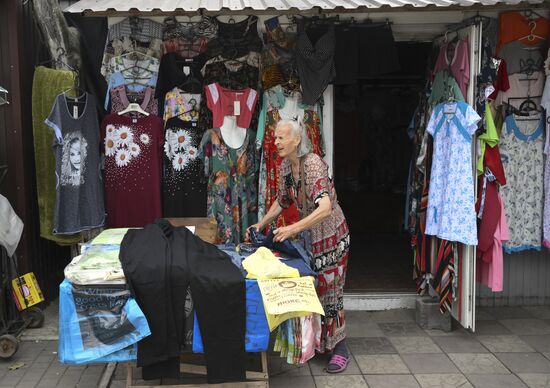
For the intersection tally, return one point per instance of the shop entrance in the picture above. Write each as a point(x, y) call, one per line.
point(372, 153)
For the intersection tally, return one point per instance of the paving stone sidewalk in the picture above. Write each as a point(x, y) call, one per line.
point(511, 348)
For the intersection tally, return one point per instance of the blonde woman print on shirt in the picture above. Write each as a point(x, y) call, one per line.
point(73, 161)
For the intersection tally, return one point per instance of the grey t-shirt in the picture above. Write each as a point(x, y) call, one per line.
point(79, 200)
point(521, 57)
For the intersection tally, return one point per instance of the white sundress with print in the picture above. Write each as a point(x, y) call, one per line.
point(451, 201)
point(521, 152)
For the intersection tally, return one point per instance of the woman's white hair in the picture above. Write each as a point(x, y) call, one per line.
point(298, 130)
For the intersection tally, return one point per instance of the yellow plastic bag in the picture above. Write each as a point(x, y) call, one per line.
point(263, 264)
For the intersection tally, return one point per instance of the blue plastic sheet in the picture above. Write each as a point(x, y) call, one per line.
point(98, 324)
point(257, 330)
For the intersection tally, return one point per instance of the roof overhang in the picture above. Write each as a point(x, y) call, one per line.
point(278, 7)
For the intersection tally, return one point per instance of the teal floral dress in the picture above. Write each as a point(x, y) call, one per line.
point(232, 184)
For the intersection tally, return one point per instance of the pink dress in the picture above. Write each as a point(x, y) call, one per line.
point(490, 264)
point(459, 64)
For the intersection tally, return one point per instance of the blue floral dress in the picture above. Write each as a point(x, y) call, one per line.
point(232, 184)
point(451, 201)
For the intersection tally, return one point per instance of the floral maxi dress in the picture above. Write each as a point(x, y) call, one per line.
point(329, 242)
point(232, 197)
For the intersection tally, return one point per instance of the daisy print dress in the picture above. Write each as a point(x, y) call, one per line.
point(133, 168)
point(184, 188)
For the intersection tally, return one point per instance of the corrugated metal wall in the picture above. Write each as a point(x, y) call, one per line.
point(20, 48)
point(526, 281)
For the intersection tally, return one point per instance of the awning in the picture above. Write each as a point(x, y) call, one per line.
point(194, 7)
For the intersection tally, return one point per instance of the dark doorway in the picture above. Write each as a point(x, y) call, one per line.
point(372, 153)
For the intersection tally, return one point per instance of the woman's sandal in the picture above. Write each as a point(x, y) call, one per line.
point(340, 362)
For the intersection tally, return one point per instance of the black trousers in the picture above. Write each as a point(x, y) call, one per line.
point(160, 262)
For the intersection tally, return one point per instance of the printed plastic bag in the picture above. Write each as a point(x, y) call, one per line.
point(98, 323)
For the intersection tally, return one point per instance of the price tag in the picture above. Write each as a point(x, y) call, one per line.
point(75, 111)
point(489, 90)
point(237, 108)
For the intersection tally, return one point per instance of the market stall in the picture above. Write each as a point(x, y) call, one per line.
point(193, 105)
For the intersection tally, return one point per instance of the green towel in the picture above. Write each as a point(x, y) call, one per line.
point(47, 84)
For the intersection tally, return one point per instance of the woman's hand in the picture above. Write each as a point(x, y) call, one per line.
point(255, 226)
point(285, 232)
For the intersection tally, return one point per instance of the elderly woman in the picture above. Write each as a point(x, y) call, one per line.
point(304, 180)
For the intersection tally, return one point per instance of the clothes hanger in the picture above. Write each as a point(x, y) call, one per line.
point(194, 108)
point(529, 105)
point(57, 62)
point(191, 85)
point(135, 55)
point(79, 92)
point(532, 36)
point(133, 107)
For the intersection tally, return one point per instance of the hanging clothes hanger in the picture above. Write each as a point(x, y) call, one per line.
point(136, 53)
point(78, 91)
point(532, 36)
point(528, 105)
point(194, 108)
point(191, 85)
point(133, 107)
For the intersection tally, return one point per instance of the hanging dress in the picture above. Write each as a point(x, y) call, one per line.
point(451, 202)
point(521, 152)
point(232, 193)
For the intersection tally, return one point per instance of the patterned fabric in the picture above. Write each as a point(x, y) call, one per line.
point(206, 27)
point(131, 34)
point(177, 103)
point(188, 39)
point(445, 273)
point(188, 48)
point(141, 70)
point(232, 187)
point(271, 160)
point(120, 100)
point(143, 30)
point(521, 152)
point(330, 241)
point(132, 85)
point(252, 58)
point(451, 212)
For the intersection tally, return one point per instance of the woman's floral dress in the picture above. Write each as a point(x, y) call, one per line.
point(232, 184)
point(329, 242)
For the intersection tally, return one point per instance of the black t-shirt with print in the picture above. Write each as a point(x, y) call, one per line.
point(184, 188)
